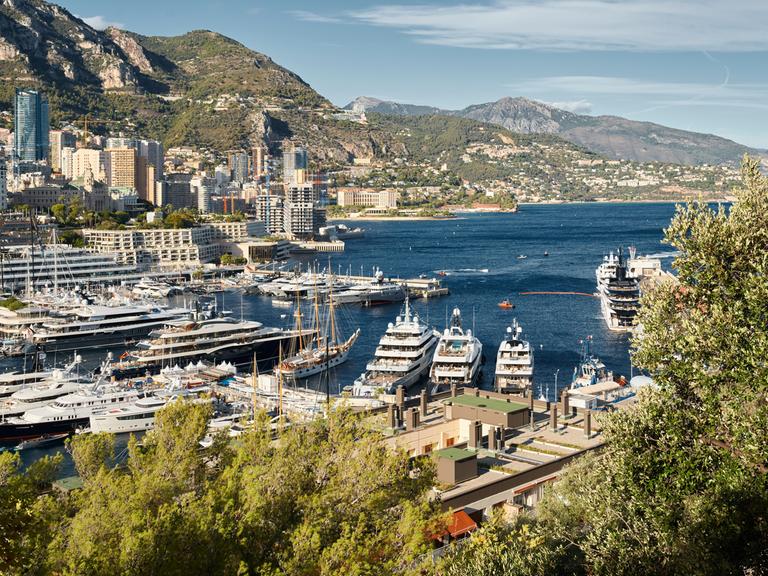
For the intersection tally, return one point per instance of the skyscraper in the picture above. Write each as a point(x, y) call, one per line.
point(294, 159)
point(30, 126)
point(59, 139)
point(239, 166)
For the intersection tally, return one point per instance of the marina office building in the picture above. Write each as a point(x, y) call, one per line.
point(177, 248)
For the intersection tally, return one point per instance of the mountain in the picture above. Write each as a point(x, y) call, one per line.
point(201, 88)
point(610, 136)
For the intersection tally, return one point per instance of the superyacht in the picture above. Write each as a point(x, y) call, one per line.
point(402, 357)
point(514, 362)
point(458, 357)
point(619, 293)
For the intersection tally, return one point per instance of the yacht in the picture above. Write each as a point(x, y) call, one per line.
point(11, 382)
point(139, 416)
point(43, 392)
point(514, 362)
point(402, 357)
point(65, 413)
point(458, 357)
point(149, 288)
point(212, 340)
point(373, 293)
point(619, 293)
point(97, 326)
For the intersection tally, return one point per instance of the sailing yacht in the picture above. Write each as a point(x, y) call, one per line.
point(402, 357)
point(321, 352)
point(458, 357)
point(514, 362)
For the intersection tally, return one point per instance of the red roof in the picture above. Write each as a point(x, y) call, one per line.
point(461, 524)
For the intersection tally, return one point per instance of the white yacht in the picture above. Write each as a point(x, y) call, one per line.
point(11, 382)
point(402, 357)
point(94, 326)
point(619, 293)
point(65, 413)
point(149, 288)
point(139, 416)
point(590, 369)
point(514, 362)
point(43, 392)
point(458, 356)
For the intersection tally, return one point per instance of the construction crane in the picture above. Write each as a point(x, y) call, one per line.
point(85, 120)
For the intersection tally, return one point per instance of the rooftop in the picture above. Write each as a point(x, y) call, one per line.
point(455, 454)
point(489, 403)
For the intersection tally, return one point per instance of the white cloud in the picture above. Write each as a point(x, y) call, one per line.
point(307, 16)
point(575, 106)
point(588, 25)
point(99, 22)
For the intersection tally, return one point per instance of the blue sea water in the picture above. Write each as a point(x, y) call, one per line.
point(479, 253)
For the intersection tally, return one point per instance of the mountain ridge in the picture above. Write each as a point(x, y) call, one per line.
point(611, 136)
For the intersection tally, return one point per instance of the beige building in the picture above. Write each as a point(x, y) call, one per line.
point(86, 159)
point(120, 167)
point(382, 199)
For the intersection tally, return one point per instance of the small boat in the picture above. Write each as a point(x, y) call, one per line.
point(41, 442)
point(522, 257)
point(441, 273)
point(506, 305)
point(546, 253)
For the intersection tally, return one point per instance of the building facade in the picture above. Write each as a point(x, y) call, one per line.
point(294, 159)
point(59, 140)
point(120, 167)
point(381, 199)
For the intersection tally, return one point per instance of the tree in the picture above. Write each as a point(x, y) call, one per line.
point(226, 259)
point(681, 486)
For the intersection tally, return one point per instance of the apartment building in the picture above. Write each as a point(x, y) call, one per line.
point(380, 199)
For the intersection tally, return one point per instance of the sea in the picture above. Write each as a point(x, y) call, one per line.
point(480, 255)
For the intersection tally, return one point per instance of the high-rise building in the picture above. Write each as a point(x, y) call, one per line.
point(202, 187)
point(87, 159)
point(152, 150)
point(301, 213)
point(3, 187)
point(30, 125)
point(294, 158)
point(238, 163)
point(259, 156)
point(120, 167)
point(120, 142)
point(59, 139)
point(67, 162)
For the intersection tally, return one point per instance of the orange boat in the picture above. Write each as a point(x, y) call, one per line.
point(441, 273)
point(506, 305)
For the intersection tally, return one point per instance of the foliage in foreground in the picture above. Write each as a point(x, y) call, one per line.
point(682, 484)
point(327, 498)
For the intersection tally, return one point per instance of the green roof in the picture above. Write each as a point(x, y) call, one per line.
point(489, 403)
point(68, 483)
point(455, 453)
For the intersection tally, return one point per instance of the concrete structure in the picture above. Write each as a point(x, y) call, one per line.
point(455, 465)
point(258, 161)
point(120, 142)
point(67, 162)
point(239, 166)
point(85, 159)
point(381, 199)
point(269, 209)
point(59, 140)
point(202, 188)
point(30, 126)
point(301, 213)
point(294, 158)
point(480, 406)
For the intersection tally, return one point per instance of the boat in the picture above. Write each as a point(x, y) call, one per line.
point(66, 413)
point(149, 288)
point(42, 441)
point(442, 273)
point(619, 293)
point(458, 356)
point(506, 304)
point(213, 340)
point(11, 382)
point(98, 326)
point(514, 362)
point(322, 351)
point(546, 253)
point(43, 392)
point(522, 257)
point(590, 369)
point(402, 357)
point(373, 293)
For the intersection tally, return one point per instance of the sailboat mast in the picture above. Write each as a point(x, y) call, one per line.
point(280, 389)
point(332, 312)
point(254, 376)
point(298, 321)
point(317, 314)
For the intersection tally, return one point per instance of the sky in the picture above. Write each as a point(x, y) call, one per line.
point(698, 65)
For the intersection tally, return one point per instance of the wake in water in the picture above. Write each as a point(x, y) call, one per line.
point(462, 272)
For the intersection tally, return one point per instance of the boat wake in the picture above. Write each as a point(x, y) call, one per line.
point(463, 272)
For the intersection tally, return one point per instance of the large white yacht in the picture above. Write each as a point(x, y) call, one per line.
point(619, 293)
point(65, 413)
point(94, 326)
point(11, 382)
point(376, 292)
point(514, 362)
point(43, 392)
point(458, 356)
point(402, 357)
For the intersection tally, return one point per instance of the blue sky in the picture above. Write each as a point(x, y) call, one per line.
point(693, 64)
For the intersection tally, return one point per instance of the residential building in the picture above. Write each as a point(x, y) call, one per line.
point(202, 188)
point(31, 126)
point(67, 162)
point(269, 209)
point(152, 150)
point(259, 157)
point(120, 167)
point(3, 186)
point(86, 159)
point(238, 164)
point(59, 139)
point(177, 191)
point(381, 199)
point(294, 158)
point(302, 215)
point(120, 142)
